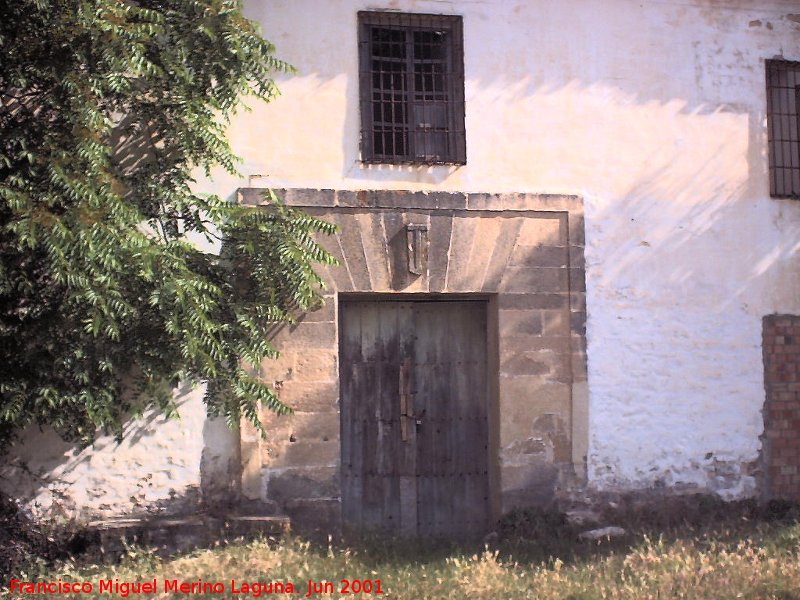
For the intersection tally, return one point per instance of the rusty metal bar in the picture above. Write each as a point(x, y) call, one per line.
point(405, 368)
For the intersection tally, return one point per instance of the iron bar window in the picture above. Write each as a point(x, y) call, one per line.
point(783, 128)
point(411, 88)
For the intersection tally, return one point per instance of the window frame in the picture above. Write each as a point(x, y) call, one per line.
point(454, 133)
point(783, 140)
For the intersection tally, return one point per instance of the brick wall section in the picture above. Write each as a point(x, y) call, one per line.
point(782, 406)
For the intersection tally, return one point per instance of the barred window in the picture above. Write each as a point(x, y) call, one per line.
point(783, 109)
point(411, 88)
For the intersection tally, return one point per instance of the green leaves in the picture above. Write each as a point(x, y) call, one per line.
point(106, 107)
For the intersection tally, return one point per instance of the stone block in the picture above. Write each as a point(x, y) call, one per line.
point(484, 202)
point(402, 199)
point(324, 312)
point(577, 280)
point(509, 230)
point(432, 199)
point(538, 256)
point(321, 514)
point(302, 454)
point(320, 396)
point(374, 242)
point(541, 202)
point(556, 431)
point(487, 231)
point(580, 426)
point(577, 301)
point(441, 229)
point(577, 257)
point(524, 363)
point(336, 277)
point(542, 231)
point(516, 344)
point(556, 322)
point(251, 196)
point(546, 364)
point(247, 431)
point(577, 230)
point(561, 202)
point(525, 399)
point(278, 369)
point(577, 322)
point(519, 322)
point(302, 483)
point(459, 267)
point(533, 449)
point(252, 484)
point(533, 280)
point(359, 198)
point(306, 335)
point(525, 486)
point(306, 197)
point(578, 343)
point(165, 536)
point(353, 250)
point(314, 364)
point(528, 301)
point(347, 198)
point(512, 201)
point(301, 426)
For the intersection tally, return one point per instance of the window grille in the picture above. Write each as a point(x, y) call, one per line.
point(411, 88)
point(783, 107)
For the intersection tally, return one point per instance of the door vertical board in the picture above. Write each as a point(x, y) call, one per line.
point(452, 448)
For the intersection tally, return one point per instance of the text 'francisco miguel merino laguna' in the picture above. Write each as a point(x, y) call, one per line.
point(254, 589)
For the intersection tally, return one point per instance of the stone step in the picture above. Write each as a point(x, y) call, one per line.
point(168, 535)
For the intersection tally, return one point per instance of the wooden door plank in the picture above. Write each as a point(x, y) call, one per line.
point(406, 456)
point(451, 354)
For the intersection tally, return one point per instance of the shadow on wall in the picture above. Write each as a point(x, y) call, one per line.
point(156, 469)
point(665, 135)
point(681, 266)
point(550, 95)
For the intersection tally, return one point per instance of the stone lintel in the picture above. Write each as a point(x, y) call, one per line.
point(427, 200)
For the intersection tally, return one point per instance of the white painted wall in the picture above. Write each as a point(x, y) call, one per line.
point(654, 111)
point(156, 468)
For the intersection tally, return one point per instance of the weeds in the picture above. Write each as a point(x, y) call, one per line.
point(735, 555)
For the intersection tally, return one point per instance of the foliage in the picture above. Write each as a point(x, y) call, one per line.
point(108, 107)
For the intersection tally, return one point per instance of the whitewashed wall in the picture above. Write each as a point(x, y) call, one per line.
point(156, 468)
point(654, 112)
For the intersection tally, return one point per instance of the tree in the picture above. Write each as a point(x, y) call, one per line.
point(108, 107)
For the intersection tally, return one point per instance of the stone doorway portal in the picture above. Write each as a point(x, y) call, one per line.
point(523, 255)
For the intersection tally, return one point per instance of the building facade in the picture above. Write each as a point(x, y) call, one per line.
point(566, 230)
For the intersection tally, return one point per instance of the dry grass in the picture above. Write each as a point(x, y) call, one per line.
point(737, 558)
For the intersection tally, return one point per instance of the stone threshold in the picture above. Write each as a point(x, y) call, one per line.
point(168, 535)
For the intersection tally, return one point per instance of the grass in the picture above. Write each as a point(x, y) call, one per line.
point(729, 556)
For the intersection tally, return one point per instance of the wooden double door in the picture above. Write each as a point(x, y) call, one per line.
point(413, 385)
